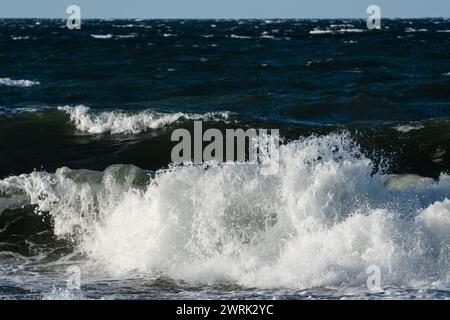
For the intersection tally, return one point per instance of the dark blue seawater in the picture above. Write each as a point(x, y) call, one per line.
point(104, 101)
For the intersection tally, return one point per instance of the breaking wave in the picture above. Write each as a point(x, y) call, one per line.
point(320, 221)
point(116, 122)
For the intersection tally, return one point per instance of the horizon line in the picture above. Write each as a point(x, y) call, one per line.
point(239, 18)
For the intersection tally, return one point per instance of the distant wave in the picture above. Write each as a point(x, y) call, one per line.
point(101, 36)
point(415, 30)
point(18, 83)
point(127, 36)
point(234, 36)
point(339, 31)
point(9, 111)
point(119, 36)
point(20, 38)
point(117, 122)
point(405, 128)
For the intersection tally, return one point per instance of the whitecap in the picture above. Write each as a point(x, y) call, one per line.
point(415, 30)
point(340, 31)
point(101, 36)
point(341, 25)
point(124, 25)
point(321, 31)
point(405, 128)
point(234, 36)
point(265, 36)
point(18, 83)
point(120, 122)
point(127, 36)
point(20, 38)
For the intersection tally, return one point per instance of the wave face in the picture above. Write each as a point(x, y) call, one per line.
point(319, 222)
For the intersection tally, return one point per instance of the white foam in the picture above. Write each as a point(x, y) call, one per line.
point(405, 128)
point(127, 36)
point(321, 31)
point(319, 222)
point(436, 221)
point(18, 83)
point(63, 294)
point(415, 30)
point(266, 36)
point(339, 31)
point(117, 122)
point(101, 36)
point(234, 36)
point(20, 38)
point(341, 25)
point(126, 25)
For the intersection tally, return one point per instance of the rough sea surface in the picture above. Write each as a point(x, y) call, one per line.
point(86, 183)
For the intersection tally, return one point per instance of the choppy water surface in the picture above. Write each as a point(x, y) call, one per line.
point(85, 123)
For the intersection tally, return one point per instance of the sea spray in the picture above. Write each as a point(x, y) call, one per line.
point(321, 221)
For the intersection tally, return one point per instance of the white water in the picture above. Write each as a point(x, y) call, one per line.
point(335, 31)
point(117, 122)
point(405, 128)
point(17, 83)
point(319, 222)
point(101, 36)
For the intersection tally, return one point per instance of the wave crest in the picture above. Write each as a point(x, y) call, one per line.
point(119, 122)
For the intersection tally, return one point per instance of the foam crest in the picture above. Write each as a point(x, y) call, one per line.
point(118, 122)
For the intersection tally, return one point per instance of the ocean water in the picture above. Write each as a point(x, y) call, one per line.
point(88, 192)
